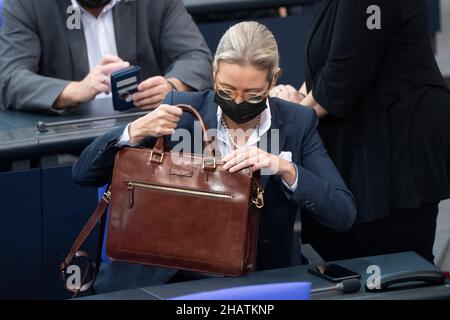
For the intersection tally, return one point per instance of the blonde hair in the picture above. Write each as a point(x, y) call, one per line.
point(249, 43)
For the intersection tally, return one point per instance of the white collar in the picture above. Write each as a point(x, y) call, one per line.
point(264, 126)
point(107, 8)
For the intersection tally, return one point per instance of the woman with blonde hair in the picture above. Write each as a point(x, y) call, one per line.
point(302, 176)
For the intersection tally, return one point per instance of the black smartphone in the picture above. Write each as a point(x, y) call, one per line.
point(124, 84)
point(333, 272)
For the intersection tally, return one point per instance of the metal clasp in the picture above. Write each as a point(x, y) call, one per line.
point(259, 200)
point(150, 159)
point(107, 196)
point(211, 165)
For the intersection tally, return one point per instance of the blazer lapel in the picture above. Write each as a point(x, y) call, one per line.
point(209, 112)
point(125, 25)
point(77, 44)
point(275, 133)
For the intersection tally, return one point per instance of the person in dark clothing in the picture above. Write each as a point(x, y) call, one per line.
point(385, 114)
point(246, 67)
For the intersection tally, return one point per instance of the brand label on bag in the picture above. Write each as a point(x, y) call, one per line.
point(181, 173)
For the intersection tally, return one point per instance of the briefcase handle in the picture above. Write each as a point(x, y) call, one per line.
point(160, 145)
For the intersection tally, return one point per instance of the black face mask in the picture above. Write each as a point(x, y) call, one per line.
point(242, 112)
point(93, 4)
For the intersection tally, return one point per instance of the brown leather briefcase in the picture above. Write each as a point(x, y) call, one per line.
point(180, 211)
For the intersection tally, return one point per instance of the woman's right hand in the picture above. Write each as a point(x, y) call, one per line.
point(160, 122)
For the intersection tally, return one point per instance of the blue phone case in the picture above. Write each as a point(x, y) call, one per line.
point(124, 84)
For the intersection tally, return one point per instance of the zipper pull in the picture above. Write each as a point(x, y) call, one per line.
point(130, 195)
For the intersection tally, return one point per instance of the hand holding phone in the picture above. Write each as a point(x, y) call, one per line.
point(152, 92)
point(124, 83)
point(96, 82)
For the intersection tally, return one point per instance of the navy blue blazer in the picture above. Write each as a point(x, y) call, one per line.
point(321, 191)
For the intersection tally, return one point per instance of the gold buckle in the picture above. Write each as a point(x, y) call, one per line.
point(214, 163)
point(161, 159)
point(107, 196)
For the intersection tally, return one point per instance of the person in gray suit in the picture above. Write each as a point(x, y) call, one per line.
point(56, 54)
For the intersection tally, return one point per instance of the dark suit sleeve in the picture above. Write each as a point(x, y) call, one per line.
point(183, 46)
point(353, 57)
point(95, 165)
point(20, 54)
point(321, 190)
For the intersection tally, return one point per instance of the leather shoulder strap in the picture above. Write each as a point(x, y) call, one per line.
point(84, 234)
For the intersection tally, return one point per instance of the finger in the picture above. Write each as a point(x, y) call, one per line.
point(172, 110)
point(164, 122)
point(231, 162)
point(294, 94)
point(262, 164)
point(166, 125)
point(284, 93)
point(171, 118)
point(107, 81)
point(112, 67)
point(148, 107)
point(167, 132)
point(242, 165)
point(104, 79)
point(101, 88)
point(230, 156)
point(99, 82)
point(274, 92)
point(277, 86)
point(257, 162)
point(110, 59)
point(155, 101)
point(283, 89)
point(291, 88)
point(150, 93)
point(171, 125)
point(241, 155)
point(151, 83)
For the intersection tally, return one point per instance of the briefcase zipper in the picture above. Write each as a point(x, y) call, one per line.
point(132, 185)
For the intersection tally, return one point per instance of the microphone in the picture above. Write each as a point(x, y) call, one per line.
point(346, 286)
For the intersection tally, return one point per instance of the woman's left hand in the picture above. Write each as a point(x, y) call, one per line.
point(259, 159)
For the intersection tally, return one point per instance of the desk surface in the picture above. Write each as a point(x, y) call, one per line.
point(20, 138)
point(18, 119)
point(210, 6)
point(387, 263)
